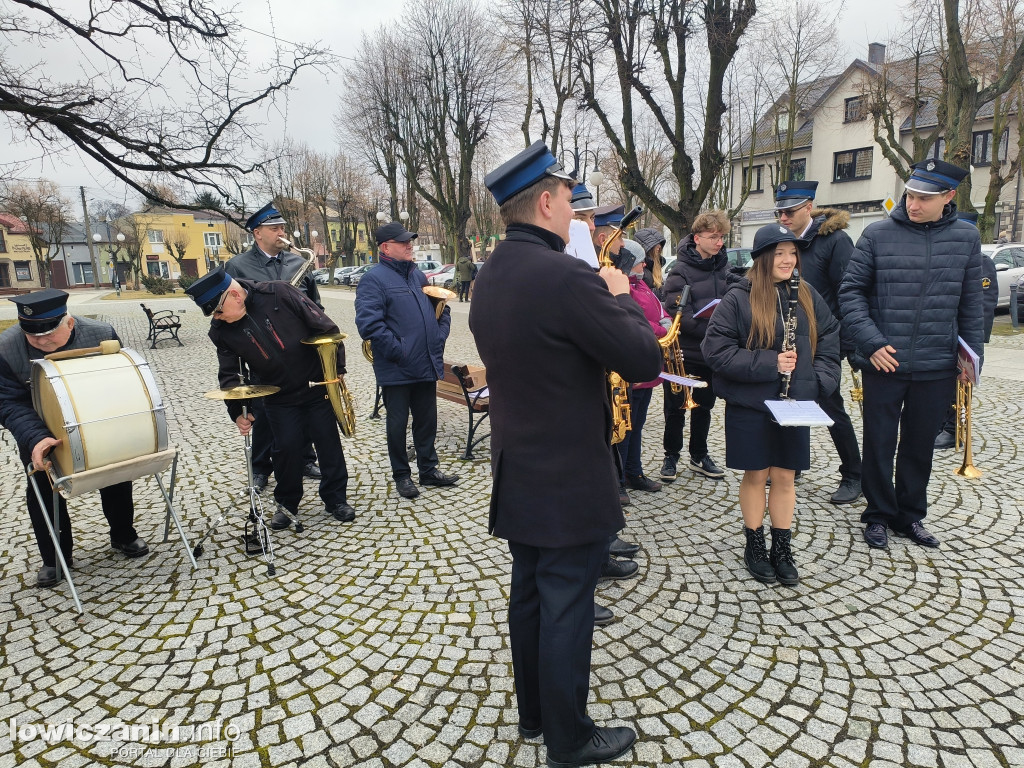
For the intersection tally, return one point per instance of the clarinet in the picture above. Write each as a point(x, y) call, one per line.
point(789, 329)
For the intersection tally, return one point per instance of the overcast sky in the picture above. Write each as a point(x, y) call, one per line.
point(310, 107)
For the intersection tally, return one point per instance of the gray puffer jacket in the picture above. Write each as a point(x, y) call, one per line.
point(915, 287)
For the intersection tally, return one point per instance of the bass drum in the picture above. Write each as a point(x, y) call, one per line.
point(104, 409)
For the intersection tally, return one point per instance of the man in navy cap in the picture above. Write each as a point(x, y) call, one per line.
point(606, 219)
point(44, 326)
point(270, 259)
point(912, 286)
point(263, 325)
point(555, 494)
point(823, 260)
point(581, 228)
point(407, 338)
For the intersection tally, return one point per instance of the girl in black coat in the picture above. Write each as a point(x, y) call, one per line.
point(743, 347)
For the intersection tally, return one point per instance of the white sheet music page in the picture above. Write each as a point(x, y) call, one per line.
point(798, 413)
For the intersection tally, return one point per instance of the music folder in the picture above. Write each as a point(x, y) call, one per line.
point(685, 381)
point(968, 360)
point(798, 413)
point(707, 309)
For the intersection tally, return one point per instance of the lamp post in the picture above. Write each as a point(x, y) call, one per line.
point(598, 178)
point(113, 250)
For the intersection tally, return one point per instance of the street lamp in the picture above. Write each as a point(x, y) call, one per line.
point(382, 217)
point(404, 216)
point(113, 250)
point(598, 178)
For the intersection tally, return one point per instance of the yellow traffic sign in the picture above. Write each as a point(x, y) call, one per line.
point(888, 204)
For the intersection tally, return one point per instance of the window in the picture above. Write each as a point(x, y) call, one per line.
point(938, 150)
point(3, 243)
point(23, 270)
point(798, 170)
point(856, 109)
point(157, 269)
point(212, 240)
point(853, 164)
point(754, 177)
point(782, 121)
point(981, 148)
point(83, 273)
point(156, 236)
point(5, 275)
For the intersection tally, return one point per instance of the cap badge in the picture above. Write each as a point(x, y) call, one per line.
point(27, 310)
point(783, 230)
point(930, 166)
point(782, 187)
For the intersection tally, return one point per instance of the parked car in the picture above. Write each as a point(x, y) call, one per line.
point(739, 260)
point(428, 266)
point(1009, 259)
point(352, 278)
point(444, 276)
point(320, 275)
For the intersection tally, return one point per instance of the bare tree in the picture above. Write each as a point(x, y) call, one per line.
point(135, 227)
point(648, 48)
point(178, 241)
point(161, 92)
point(46, 214)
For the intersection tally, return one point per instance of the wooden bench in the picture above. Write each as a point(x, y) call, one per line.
point(163, 323)
point(467, 384)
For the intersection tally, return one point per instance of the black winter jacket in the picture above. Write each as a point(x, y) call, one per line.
point(708, 279)
point(824, 258)
point(269, 339)
point(748, 377)
point(254, 265)
point(915, 287)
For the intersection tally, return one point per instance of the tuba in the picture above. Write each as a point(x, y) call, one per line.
point(618, 388)
point(673, 355)
point(337, 391)
point(310, 260)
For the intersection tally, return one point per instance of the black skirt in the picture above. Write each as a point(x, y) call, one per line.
point(754, 441)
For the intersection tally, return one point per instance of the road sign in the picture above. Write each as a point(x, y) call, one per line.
point(888, 204)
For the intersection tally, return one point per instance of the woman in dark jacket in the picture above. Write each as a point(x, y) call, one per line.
point(743, 347)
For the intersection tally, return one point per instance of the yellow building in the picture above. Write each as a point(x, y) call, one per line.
point(17, 260)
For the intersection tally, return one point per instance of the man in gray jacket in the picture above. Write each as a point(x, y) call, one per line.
point(912, 287)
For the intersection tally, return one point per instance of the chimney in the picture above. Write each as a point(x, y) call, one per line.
point(876, 53)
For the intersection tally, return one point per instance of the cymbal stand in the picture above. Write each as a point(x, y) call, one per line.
point(259, 534)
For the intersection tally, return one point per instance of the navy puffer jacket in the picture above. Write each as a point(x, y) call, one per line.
point(915, 287)
point(748, 377)
point(397, 317)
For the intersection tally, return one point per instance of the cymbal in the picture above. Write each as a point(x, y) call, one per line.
point(243, 392)
point(326, 338)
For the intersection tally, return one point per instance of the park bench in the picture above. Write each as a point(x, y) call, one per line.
point(467, 385)
point(163, 323)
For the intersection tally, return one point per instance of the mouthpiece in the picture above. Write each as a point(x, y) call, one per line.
point(285, 240)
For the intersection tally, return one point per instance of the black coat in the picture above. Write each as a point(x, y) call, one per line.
point(708, 279)
point(748, 377)
point(547, 329)
point(269, 339)
point(823, 260)
point(990, 292)
point(254, 265)
point(915, 287)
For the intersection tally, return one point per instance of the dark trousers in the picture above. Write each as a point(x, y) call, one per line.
point(464, 290)
point(420, 400)
point(551, 628)
point(910, 412)
point(843, 436)
point(629, 448)
point(263, 441)
point(117, 508)
point(700, 417)
point(294, 426)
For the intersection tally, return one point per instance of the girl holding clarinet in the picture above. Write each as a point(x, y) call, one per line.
point(772, 337)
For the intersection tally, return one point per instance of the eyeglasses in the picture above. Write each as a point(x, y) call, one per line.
point(220, 304)
point(715, 238)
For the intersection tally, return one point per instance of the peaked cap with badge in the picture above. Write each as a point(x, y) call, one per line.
point(524, 170)
point(791, 194)
point(41, 311)
point(933, 177)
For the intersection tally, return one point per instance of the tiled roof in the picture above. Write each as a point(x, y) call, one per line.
point(13, 224)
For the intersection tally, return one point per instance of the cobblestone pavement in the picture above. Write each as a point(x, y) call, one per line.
point(384, 643)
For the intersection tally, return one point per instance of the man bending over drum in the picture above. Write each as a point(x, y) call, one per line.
point(263, 323)
point(44, 326)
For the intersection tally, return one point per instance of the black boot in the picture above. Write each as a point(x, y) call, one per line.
point(755, 556)
point(782, 557)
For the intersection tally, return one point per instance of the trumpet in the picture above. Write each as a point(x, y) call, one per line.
point(337, 390)
point(964, 395)
point(310, 260)
point(673, 355)
point(857, 391)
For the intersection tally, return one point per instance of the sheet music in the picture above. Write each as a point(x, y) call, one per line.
point(968, 360)
point(686, 382)
point(580, 245)
point(798, 413)
point(707, 309)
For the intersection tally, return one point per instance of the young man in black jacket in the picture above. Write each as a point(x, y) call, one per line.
point(824, 253)
point(555, 495)
point(912, 287)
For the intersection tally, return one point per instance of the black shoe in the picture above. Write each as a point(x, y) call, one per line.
point(280, 520)
point(260, 482)
point(436, 477)
point(602, 616)
point(624, 497)
point(876, 536)
point(47, 576)
point(312, 470)
point(755, 556)
point(707, 467)
point(668, 469)
point(944, 440)
point(617, 570)
point(918, 534)
point(342, 512)
point(781, 558)
point(135, 548)
point(847, 492)
point(642, 483)
point(606, 744)
point(620, 548)
point(530, 733)
point(407, 488)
